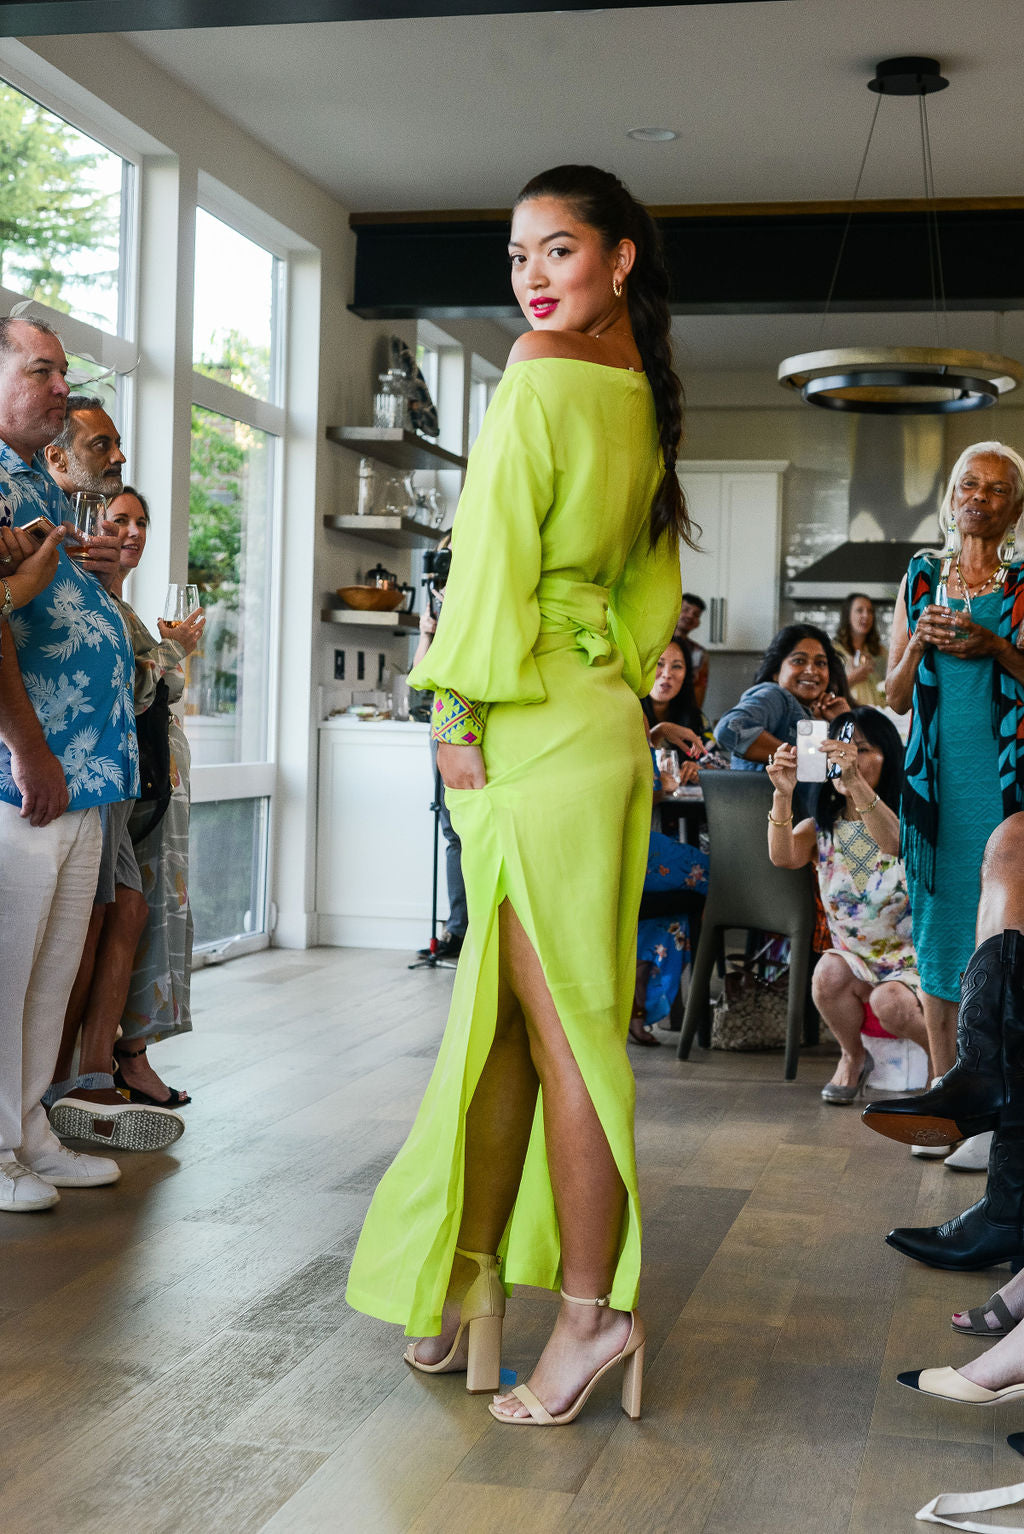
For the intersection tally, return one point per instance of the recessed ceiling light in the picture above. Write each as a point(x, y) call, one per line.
point(652, 135)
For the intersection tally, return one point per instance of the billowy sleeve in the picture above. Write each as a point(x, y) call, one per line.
point(490, 617)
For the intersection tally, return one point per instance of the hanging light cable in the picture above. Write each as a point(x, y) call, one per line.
point(902, 380)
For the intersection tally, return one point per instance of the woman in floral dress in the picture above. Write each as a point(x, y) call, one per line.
point(158, 997)
point(854, 840)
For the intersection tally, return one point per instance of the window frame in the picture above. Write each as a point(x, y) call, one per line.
point(214, 782)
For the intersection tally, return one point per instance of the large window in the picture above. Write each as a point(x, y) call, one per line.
point(65, 216)
point(230, 525)
point(237, 424)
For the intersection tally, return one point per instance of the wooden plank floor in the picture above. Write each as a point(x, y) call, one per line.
point(177, 1355)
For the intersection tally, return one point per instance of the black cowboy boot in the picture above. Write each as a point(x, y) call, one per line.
point(970, 1097)
point(991, 1231)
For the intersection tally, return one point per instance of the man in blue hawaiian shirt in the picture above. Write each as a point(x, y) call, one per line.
point(67, 745)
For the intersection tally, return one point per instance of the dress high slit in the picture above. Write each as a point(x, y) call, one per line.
point(555, 612)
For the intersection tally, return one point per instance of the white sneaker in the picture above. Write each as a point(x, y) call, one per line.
point(932, 1152)
point(972, 1154)
point(21, 1191)
point(64, 1168)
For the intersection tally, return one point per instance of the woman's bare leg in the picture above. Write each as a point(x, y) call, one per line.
point(899, 1011)
point(498, 1128)
point(590, 1198)
point(940, 1026)
point(839, 996)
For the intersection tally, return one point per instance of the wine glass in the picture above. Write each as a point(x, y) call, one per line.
point(179, 604)
point(954, 604)
point(87, 513)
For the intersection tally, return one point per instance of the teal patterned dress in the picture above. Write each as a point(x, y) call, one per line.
point(970, 808)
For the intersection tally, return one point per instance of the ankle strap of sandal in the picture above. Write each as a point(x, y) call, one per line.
point(128, 1054)
point(481, 1258)
point(575, 1300)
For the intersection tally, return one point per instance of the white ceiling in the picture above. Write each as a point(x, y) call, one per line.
point(769, 100)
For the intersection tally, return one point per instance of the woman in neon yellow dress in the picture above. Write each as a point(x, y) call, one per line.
point(564, 588)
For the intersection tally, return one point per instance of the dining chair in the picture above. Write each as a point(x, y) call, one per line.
point(745, 889)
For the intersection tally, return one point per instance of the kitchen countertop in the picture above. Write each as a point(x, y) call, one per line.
point(388, 726)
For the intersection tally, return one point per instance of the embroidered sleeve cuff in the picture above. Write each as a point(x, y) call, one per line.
point(456, 720)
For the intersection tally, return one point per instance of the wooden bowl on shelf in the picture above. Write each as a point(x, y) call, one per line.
point(374, 599)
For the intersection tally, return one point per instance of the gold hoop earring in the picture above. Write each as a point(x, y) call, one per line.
point(616, 287)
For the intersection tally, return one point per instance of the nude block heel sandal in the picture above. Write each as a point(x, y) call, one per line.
point(632, 1359)
point(480, 1318)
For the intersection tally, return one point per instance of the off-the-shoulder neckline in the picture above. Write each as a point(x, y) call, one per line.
point(606, 367)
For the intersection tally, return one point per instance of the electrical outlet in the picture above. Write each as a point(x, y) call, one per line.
point(360, 666)
point(339, 665)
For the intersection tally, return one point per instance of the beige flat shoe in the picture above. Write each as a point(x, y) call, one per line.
point(948, 1385)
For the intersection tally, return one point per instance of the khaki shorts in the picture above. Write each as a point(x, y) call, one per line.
point(117, 859)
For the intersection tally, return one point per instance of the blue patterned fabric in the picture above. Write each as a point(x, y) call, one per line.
point(664, 941)
point(764, 707)
point(1003, 705)
point(75, 657)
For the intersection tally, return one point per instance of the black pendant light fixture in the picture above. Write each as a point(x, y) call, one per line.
point(902, 380)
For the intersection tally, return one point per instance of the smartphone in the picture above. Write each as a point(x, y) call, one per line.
point(845, 732)
point(41, 527)
point(810, 762)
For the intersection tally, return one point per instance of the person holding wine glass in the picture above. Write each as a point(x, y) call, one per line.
point(157, 1006)
point(956, 659)
point(860, 648)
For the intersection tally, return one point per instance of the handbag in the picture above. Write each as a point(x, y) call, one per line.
point(154, 731)
point(752, 1009)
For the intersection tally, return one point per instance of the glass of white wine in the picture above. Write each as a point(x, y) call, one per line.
point(179, 604)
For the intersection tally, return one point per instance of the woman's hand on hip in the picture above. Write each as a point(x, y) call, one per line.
point(461, 766)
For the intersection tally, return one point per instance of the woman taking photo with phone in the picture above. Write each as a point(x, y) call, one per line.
point(563, 590)
point(853, 841)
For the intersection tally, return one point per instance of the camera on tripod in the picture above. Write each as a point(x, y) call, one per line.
point(436, 564)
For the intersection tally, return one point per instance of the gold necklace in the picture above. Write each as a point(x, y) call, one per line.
point(980, 585)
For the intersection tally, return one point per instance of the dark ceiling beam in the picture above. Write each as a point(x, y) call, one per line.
point(720, 263)
point(47, 18)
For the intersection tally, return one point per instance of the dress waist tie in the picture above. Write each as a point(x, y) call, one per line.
point(578, 610)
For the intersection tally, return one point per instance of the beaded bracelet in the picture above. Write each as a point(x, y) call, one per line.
point(455, 720)
point(869, 807)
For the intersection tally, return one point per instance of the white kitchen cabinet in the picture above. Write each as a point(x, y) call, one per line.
point(738, 505)
point(375, 835)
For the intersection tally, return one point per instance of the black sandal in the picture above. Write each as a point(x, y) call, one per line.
point(174, 1098)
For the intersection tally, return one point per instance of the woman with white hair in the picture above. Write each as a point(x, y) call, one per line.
point(955, 657)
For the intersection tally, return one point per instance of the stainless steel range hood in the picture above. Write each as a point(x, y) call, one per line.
point(873, 567)
point(895, 487)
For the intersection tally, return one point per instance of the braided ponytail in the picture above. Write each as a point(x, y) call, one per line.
point(600, 200)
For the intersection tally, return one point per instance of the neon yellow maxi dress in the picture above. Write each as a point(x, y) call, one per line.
point(555, 612)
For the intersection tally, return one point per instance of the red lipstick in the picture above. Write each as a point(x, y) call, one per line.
point(542, 307)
